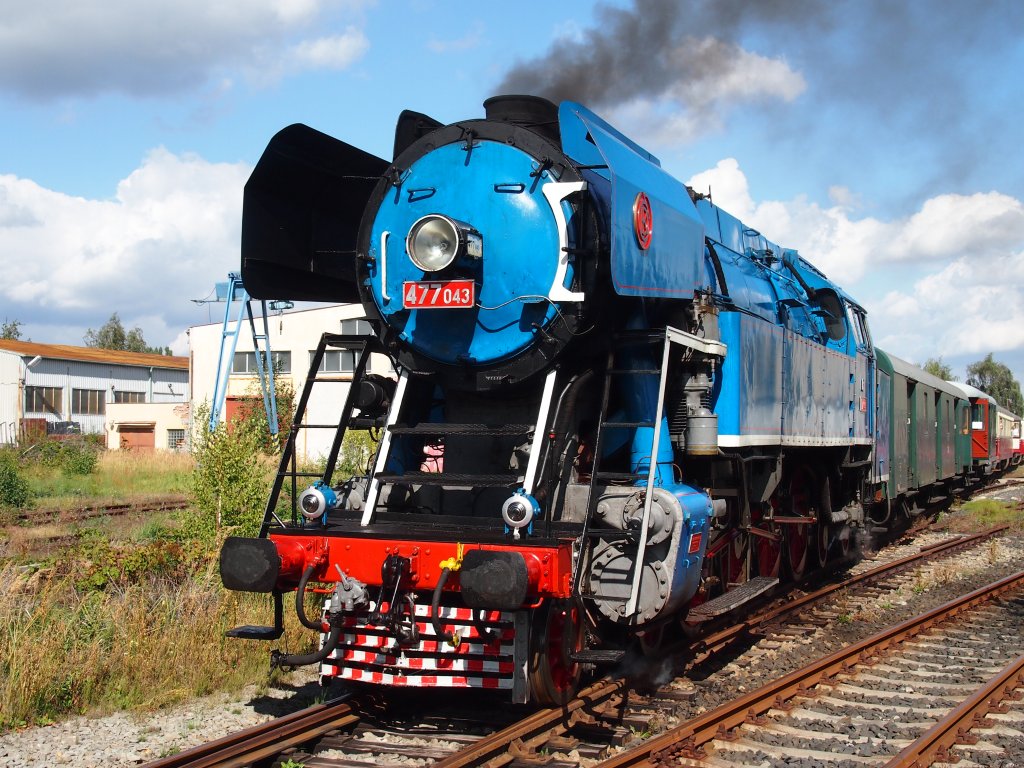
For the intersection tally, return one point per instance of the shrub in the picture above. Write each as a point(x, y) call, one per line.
point(13, 487)
point(75, 456)
point(230, 482)
point(357, 450)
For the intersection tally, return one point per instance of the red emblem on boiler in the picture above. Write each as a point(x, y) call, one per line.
point(643, 220)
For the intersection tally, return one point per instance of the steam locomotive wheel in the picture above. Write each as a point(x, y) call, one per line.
point(797, 536)
point(768, 551)
point(556, 634)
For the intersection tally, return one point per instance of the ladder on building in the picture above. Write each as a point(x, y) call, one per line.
point(231, 292)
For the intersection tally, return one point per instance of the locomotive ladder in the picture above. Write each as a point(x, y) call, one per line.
point(380, 476)
point(287, 467)
point(666, 337)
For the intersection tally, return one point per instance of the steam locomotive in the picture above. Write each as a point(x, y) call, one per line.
point(618, 411)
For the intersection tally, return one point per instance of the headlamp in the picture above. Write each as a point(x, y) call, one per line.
point(519, 510)
point(435, 241)
point(316, 500)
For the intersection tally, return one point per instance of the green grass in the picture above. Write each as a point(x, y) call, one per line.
point(990, 512)
point(119, 476)
point(67, 647)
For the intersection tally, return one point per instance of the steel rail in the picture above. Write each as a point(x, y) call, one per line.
point(953, 728)
point(72, 514)
point(265, 740)
point(717, 640)
point(690, 736)
point(500, 747)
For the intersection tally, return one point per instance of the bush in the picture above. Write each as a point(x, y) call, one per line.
point(357, 451)
point(75, 456)
point(230, 483)
point(13, 487)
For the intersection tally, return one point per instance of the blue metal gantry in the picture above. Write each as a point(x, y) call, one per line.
point(230, 292)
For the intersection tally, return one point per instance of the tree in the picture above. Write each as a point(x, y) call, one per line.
point(936, 367)
point(112, 335)
point(10, 329)
point(997, 380)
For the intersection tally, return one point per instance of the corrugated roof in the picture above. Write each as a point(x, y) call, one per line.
point(94, 354)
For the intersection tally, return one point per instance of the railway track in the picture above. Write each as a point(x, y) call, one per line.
point(900, 698)
point(51, 515)
point(605, 716)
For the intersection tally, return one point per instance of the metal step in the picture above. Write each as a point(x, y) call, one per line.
point(619, 476)
point(483, 430)
point(626, 424)
point(444, 478)
point(732, 599)
point(252, 632)
point(598, 656)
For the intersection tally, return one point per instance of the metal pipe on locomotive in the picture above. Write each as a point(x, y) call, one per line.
point(616, 409)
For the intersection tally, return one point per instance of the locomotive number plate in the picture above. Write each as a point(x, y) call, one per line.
point(448, 294)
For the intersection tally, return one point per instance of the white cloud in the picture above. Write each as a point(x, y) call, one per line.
point(68, 48)
point(169, 233)
point(966, 307)
point(952, 225)
point(336, 52)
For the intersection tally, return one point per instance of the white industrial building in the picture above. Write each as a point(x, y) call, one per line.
point(293, 337)
point(137, 400)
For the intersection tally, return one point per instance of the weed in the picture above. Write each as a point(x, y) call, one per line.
point(133, 645)
point(231, 480)
point(995, 551)
point(845, 618)
point(289, 763)
point(14, 490)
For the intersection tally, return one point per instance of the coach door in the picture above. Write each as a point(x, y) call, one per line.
point(979, 429)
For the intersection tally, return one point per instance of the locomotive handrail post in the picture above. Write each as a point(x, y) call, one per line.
point(384, 448)
point(540, 431)
point(652, 470)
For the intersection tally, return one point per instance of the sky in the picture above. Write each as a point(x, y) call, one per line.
point(880, 139)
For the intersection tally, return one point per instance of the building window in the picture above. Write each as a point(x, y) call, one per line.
point(88, 402)
point(245, 362)
point(336, 361)
point(176, 439)
point(121, 396)
point(356, 328)
point(44, 400)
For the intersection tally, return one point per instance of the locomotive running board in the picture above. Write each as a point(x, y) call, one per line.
point(732, 599)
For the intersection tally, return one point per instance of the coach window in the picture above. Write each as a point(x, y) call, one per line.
point(978, 416)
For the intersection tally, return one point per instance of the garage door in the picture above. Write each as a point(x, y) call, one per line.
point(138, 438)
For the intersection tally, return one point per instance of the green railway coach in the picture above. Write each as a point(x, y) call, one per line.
point(922, 445)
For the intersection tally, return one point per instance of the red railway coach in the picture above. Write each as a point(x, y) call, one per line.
point(993, 446)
